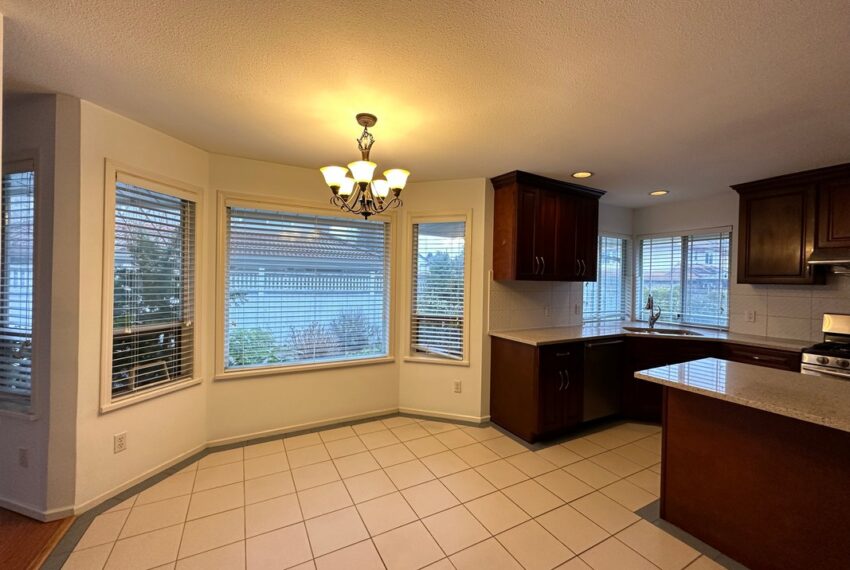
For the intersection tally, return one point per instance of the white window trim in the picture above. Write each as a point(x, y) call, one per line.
point(174, 188)
point(228, 199)
point(631, 280)
point(428, 218)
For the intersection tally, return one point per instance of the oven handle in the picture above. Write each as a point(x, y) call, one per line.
point(819, 371)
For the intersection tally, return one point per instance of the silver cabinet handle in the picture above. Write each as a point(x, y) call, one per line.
point(583, 268)
point(561, 354)
point(604, 343)
point(567, 372)
point(561, 375)
point(578, 267)
point(536, 262)
point(543, 270)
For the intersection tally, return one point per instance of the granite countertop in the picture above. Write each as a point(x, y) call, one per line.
point(589, 331)
point(815, 399)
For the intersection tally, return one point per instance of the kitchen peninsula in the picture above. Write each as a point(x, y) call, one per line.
point(755, 461)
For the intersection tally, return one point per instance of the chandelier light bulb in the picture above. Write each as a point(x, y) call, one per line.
point(362, 170)
point(396, 177)
point(381, 188)
point(347, 187)
point(334, 175)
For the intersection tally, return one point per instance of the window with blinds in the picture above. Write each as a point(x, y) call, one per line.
point(16, 284)
point(437, 307)
point(688, 277)
point(153, 293)
point(609, 297)
point(304, 288)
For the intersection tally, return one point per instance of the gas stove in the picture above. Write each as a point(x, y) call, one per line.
point(832, 356)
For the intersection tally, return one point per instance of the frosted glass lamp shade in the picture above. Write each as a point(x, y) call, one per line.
point(381, 188)
point(362, 170)
point(334, 175)
point(396, 177)
point(347, 187)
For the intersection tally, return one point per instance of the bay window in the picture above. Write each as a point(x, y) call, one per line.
point(609, 297)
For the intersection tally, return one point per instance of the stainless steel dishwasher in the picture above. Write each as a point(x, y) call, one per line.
point(603, 370)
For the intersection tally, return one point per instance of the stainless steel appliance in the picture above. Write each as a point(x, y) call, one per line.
point(832, 356)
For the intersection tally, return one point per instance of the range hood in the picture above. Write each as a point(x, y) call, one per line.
point(838, 258)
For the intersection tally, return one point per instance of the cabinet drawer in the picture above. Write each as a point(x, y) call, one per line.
point(771, 358)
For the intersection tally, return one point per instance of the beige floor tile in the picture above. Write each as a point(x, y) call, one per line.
point(396, 552)
point(398, 421)
point(221, 458)
point(378, 439)
point(282, 548)
point(467, 485)
point(591, 473)
point(426, 446)
point(335, 530)
point(532, 497)
point(608, 439)
point(444, 463)
point(504, 446)
point(369, 486)
point(429, 498)
point(496, 512)
point(476, 454)
point(299, 441)
point(455, 438)
point(272, 514)
point(616, 463)
point(218, 476)
point(105, 528)
point(638, 455)
point(265, 465)
point(628, 494)
point(213, 531)
point(268, 487)
point(443, 564)
point(660, 548)
point(342, 447)
point(605, 512)
point(559, 455)
point(435, 427)
point(147, 550)
point(584, 447)
point(123, 505)
point(335, 434)
point(362, 555)
point(324, 499)
point(216, 500)
point(567, 487)
point(501, 473)
point(89, 559)
point(409, 432)
point(642, 429)
point(191, 468)
point(386, 513)
point(168, 488)
point(265, 448)
point(572, 528)
point(656, 468)
point(392, 454)
point(307, 455)
point(356, 464)
point(482, 433)
point(652, 443)
point(230, 557)
point(574, 564)
point(534, 547)
point(488, 554)
point(408, 474)
point(161, 514)
point(455, 529)
point(647, 480)
point(368, 427)
point(314, 475)
point(531, 464)
point(309, 565)
point(704, 563)
point(614, 555)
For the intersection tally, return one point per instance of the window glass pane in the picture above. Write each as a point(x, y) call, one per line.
point(302, 288)
point(436, 323)
point(609, 297)
point(661, 276)
point(153, 309)
point(16, 287)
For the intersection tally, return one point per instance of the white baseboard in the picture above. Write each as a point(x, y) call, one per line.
point(36, 513)
point(444, 415)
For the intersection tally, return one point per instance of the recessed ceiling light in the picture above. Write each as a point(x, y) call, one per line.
point(659, 192)
point(582, 174)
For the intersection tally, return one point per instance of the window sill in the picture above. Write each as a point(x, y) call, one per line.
point(276, 370)
point(428, 360)
point(144, 396)
point(17, 411)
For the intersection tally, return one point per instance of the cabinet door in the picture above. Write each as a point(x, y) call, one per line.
point(834, 214)
point(568, 265)
point(527, 206)
point(587, 236)
point(560, 387)
point(777, 235)
point(545, 235)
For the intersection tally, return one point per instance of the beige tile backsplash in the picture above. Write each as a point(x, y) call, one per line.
point(534, 304)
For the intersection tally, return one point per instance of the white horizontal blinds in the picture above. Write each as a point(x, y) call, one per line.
point(303, 288)
point(154, 276)
point(16, 284)
point(688, 277)
point(609, 297)
point(706, 294)
point(436, 322)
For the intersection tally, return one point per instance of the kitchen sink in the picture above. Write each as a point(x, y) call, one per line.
point(647, 330)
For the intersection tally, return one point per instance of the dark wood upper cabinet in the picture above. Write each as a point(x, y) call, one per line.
point(544, 229)
point(834, 214)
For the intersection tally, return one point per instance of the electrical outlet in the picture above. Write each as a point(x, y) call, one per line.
point(458, 387)
point(23, 457)
point(750, 316)
point(119, 442)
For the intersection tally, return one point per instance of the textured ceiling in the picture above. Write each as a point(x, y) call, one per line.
point(691, 96)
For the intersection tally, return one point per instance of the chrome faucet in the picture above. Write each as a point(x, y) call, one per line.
point(653, 316)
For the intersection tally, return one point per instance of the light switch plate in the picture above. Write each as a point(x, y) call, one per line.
point(750, 316)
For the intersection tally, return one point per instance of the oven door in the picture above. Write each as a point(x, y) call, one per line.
point(813, 370)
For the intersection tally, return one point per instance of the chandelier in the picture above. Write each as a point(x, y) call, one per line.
point(360, 193)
